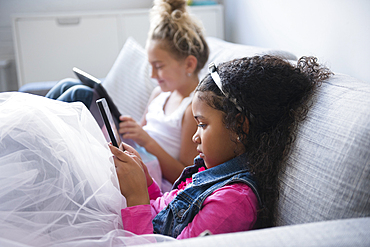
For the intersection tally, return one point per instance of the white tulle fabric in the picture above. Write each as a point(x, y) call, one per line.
point(58, 185)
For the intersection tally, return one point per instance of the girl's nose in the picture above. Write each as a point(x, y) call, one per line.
point(196, 138)
point(154, 74)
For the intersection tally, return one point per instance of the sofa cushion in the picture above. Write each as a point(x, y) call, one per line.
point(327, 175)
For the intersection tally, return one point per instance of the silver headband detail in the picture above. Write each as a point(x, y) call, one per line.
point(216, 78)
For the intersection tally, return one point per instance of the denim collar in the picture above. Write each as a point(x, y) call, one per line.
point(236, 165)
point(231, 167)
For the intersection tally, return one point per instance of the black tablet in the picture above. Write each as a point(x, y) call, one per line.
point(110, 131)
point(86, 78)
point(95, 83)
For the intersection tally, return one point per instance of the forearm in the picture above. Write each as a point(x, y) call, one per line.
point(171, 167)
point(137, 200)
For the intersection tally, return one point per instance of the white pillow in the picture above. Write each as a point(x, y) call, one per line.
point(128, 82)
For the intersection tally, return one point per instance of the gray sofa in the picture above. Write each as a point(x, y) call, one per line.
point(325, 184)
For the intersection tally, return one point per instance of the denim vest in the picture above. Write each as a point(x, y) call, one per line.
point(183, 208)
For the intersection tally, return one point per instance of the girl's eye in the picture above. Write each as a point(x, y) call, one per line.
point(202, 125)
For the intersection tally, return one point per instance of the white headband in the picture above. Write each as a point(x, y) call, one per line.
point(216, 78)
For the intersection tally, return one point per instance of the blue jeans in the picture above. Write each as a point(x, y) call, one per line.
point(69, 90)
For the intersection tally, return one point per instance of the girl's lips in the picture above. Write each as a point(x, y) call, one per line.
point(200, 153)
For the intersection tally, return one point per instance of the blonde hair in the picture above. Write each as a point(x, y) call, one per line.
point(181, 33)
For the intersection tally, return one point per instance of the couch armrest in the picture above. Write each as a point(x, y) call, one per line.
point(347, 232)
point(38, 88)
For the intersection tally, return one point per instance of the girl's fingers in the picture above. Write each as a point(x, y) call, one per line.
point(129, 129)
point(128, 123)
point(125, 156)
point(129, 136)
point(128, 148)
point(125, 118)
point(122, 146)
point(119, 154)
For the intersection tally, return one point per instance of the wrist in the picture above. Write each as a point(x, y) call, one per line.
point(137, 200)
point(149, 145)
point(149, 181)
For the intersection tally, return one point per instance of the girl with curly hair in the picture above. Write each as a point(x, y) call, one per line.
point(246, 111)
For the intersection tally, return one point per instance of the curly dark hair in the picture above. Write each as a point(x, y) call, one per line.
point(273, 95)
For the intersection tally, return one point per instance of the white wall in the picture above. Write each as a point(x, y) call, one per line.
point(10, 7)
point(336, 31)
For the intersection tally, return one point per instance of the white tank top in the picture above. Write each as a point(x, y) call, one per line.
point(166, 129)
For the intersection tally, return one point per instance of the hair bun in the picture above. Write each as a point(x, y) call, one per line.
point(169, 9)
point(171, 23)
point(176, 4)
point(177, 14)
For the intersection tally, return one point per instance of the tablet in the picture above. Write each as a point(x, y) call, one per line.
point(109, 129)
point(86, 78)
point(95, 83)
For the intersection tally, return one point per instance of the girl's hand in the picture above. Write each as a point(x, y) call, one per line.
point(130, 129)
point(129, 149)
point(131, 176)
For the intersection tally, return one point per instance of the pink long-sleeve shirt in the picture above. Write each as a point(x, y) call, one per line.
point(231, 208)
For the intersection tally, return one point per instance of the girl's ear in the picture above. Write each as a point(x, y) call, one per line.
point(191, 64)
point(245, 123)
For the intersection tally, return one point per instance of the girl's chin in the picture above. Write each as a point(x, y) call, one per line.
point(207, 164)
point(164, 88)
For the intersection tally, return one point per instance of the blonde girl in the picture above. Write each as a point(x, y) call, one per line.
point(177, 52)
